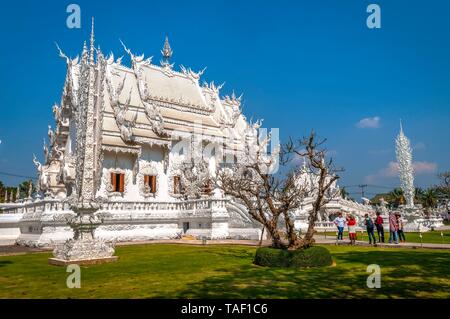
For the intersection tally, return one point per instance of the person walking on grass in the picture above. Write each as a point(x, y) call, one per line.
point(340, 224)
point(401, 234)
point(380, 229)
point(393, 228)
point(370, 229)
point(351, 222)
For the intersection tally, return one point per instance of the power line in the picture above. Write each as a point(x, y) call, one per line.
point(378, 186)
point(16, 175)
point(362, 186)
point(370, 185)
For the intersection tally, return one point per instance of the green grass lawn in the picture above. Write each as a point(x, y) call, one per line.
point(428, 237)
point(184, 271)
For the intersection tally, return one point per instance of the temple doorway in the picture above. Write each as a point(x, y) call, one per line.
point(185, 227)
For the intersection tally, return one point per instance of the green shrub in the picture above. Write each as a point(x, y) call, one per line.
point(272, 257)
point(315, 256)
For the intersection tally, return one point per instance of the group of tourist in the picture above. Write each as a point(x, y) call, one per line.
point(396, 233)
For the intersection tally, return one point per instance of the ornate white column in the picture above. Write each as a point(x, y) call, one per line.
point(219, 220)
point(84, 248)
point(405, 168)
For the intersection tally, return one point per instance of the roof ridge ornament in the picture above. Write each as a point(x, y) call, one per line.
point(167, 53)
point(193, 76)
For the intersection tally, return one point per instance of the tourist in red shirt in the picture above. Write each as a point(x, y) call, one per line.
point(351, 223)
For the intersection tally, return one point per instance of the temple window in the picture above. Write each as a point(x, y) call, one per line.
point(150, 182)
point(117, 182)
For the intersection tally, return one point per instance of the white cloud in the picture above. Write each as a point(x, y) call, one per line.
point(369, 122)
point(419, 146)
point(424, 167)
point(391, 170)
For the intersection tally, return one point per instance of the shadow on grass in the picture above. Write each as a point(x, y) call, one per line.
point(3, 263)
point(404, 275)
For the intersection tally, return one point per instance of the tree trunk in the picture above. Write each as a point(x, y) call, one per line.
point(275, 235)
point(308, 239)
point(262, 235)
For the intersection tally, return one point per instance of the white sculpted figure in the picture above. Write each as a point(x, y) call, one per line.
point(43, 183)
point(30, 189)
point(57, 113)
point(46, 153)
point(51, 135)
point(383, 205)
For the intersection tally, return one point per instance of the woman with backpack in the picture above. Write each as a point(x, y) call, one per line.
point(370, 229)
point(380, 229)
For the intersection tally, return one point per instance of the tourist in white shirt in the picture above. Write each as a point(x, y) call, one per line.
point(340, 224)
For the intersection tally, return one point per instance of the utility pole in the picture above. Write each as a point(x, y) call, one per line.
point(362, 186)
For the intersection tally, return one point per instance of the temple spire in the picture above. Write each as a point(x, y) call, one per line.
point(92, 48)
point(405, 167)
point(166, 52)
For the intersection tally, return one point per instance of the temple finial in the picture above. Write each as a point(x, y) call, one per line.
point(92, 49)
point(167, 52)
point(401, 126)
point(84, 47)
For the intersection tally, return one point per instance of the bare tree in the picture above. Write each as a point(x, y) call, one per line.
point(272, 196)
point(325, 172)
point(444, 187)
point(445, 181)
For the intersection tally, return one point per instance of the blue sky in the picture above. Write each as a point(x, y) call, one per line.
point(300, 64)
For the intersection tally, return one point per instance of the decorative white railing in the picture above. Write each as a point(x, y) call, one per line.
point(35, 206)
point(194, 204)
point(144, 206)
point(324, 225)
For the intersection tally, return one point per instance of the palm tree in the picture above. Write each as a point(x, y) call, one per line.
point(24, 187)
point(418, 194)
point(397, 197)
point(429, 200)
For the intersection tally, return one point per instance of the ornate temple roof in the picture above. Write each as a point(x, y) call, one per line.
point(184, 105)
point(167, 85)
point(148, 103)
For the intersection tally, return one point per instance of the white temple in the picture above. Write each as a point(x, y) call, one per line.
point(146, 121)
point(120, 138)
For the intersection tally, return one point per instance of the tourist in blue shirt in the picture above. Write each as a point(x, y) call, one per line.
point(340, 223)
